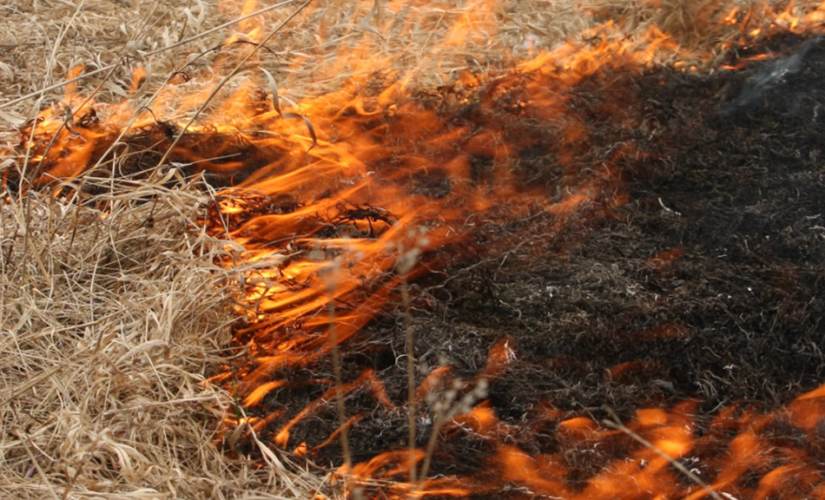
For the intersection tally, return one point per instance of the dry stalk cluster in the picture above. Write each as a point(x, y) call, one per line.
point(112, 312)
point(42, 41)
point(445, 405)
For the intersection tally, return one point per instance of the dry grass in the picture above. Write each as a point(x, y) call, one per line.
point(109, 320)
point(113, 311)
point(42, 39)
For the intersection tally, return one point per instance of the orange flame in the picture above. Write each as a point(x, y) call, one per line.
point(346, 193)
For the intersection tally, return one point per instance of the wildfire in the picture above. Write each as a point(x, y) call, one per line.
point(340, 199)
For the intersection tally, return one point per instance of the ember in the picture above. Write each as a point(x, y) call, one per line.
point(607, 258)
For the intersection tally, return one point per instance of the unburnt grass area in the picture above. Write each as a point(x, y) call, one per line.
point(706, 285)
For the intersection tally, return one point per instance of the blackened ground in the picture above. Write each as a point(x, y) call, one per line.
point(708, 284)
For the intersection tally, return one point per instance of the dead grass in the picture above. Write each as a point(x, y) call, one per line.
point(428, 40)
point(109, 320)
point(113, 311)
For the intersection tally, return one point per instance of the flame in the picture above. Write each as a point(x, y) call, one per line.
point(738, 442)
point(348, 193)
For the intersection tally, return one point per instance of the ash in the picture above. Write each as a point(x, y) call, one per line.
point(707, 285)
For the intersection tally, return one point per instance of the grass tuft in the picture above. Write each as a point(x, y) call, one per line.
point(111, 318)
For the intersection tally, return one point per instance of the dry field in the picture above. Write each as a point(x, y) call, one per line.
point(110, 321)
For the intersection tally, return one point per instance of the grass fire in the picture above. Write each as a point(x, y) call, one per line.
point(413, 249)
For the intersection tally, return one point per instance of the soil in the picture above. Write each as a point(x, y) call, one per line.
point(706, 285)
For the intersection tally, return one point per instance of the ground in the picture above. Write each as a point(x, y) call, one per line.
point(707, 285)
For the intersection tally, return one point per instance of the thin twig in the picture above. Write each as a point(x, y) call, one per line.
point(339, 387)
point(425, 469)
point(410, 341)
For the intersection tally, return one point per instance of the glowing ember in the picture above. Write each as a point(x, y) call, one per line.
point(339, 199)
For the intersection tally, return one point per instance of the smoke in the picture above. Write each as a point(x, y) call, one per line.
point(774, 74)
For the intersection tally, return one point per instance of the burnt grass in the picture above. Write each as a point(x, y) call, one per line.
point(707, 285)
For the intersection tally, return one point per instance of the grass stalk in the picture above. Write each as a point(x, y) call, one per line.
point(339, 386)
point(410, 345)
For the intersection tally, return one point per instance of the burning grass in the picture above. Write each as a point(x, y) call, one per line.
point(121, 290)
point(113, 309)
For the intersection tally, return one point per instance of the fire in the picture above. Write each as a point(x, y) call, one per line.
point(738, 443)
point(349, 194)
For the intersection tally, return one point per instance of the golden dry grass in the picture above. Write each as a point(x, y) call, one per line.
point(109, 321)
point(113, 311)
